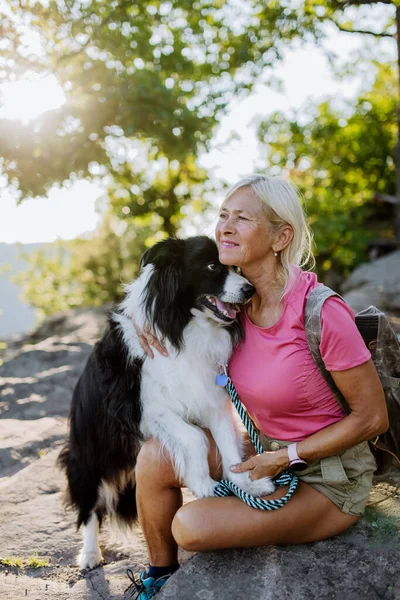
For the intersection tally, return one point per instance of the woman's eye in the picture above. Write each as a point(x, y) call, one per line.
point(211, 267)
point(243, 218)
point(222, 216)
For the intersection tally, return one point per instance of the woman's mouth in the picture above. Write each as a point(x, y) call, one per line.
point(225, 244)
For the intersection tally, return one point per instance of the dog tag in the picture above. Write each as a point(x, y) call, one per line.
point(221, 379)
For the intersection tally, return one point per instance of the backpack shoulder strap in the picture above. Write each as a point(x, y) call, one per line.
point(312, 324)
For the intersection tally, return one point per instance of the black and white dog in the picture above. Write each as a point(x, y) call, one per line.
point(123, 397)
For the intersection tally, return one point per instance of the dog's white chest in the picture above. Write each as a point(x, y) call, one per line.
point(185, 381)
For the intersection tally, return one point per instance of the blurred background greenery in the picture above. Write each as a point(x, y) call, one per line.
point(145, 85)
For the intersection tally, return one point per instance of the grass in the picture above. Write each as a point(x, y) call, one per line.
point(3, 346)
point(33, 562)
point(383, 525)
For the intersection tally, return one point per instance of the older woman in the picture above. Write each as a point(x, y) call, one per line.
point(262, 230)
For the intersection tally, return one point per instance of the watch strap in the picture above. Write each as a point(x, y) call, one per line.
point(294, 458)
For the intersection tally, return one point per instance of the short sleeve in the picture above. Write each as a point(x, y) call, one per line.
point(342, 346)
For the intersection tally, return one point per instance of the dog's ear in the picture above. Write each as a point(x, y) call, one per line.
point(164, 297)
point(166, 249)
point(145, 259)
point(150, 255)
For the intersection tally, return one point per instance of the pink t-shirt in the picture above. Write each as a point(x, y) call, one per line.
point(275, 375)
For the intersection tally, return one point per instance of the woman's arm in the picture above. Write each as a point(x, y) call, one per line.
point(363, 391)
point(368, 418)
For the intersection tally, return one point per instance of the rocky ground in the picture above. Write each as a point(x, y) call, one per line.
point(39, 542)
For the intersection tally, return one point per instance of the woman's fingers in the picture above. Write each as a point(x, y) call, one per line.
point(147, 339)
point(267, 464)
point(145, 345)
point(153, 341)
point(247, 465)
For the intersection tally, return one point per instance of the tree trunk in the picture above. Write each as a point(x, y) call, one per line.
point(169, 228)
point(397, 154)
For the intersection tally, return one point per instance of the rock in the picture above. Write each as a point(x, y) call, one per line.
point(36, 383)
point(344, 568)
point(375, 283)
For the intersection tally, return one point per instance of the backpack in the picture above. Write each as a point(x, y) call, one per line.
point(382, 342)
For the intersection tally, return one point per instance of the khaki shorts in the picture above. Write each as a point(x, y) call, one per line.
point(345, 478)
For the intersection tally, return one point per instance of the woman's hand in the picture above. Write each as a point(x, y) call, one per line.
point(148, 339)
point(267, 464)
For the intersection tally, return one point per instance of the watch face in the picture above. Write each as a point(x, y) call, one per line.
point(298, 466)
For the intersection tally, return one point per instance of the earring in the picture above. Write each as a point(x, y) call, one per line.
point(275, 254)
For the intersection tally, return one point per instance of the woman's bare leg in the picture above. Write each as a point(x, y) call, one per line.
point(159, 496)
point(216, 523)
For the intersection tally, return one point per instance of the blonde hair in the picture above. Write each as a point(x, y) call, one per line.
point(282, 206)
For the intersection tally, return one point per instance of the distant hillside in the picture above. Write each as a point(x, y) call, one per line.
point(16, 316)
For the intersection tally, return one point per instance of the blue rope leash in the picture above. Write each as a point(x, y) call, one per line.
point(228, 488)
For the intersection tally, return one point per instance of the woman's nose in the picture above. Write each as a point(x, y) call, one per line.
point(227, 225)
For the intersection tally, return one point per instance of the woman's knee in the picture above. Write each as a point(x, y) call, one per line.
point(186, 528)
point(153, 463)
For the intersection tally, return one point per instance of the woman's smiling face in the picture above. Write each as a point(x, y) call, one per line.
point(244, 235)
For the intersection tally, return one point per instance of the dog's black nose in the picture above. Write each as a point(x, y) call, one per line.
point(248, 290)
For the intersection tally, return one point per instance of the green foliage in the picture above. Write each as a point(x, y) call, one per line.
point(339, 159)
point(83, 271)
point(145, 83)
point(165, 190)
point(93, 271)
point(161, 72)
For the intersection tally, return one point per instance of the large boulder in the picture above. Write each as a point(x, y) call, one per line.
point(36, 382)
point(377, 282)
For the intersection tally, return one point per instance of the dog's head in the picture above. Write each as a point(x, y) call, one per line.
point(185, 275)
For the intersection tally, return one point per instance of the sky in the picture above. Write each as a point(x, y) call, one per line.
point(68, 213)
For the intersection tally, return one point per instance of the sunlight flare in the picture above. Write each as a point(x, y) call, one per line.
point(27, 98)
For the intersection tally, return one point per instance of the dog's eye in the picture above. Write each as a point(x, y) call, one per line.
point(212, 267)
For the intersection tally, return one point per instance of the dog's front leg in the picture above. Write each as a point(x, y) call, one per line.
point(229, 444)
point(188, 448)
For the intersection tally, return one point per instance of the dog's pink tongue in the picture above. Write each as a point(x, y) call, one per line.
point(226, 307)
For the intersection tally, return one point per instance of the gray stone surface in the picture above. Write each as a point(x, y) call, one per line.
point(377, 282)
point(36, 382)
point(343, 569)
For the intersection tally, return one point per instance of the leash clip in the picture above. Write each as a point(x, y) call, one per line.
point(222, 378)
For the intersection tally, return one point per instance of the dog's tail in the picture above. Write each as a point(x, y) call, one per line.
point(126, 509)
point(62, 463)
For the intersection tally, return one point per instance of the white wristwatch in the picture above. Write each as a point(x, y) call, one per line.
point(295, 462)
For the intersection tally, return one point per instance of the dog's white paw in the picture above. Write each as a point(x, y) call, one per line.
point(256, 487)
point(90, 560)
point(203, 489)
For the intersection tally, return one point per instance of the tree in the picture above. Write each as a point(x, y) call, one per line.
point(83, 272)
point(337, 12)
point(160, 72)
point(163, 189)
point(93, 271)
point(339, 159)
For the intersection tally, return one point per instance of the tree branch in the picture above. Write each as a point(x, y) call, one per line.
point(386, 198)
point(375, 33)
point(345, 3)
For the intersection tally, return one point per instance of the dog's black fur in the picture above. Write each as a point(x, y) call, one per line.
point(105, 438)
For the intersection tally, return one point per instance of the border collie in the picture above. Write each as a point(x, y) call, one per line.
point(123, 397)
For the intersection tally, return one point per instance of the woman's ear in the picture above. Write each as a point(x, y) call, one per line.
point(283, 238)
